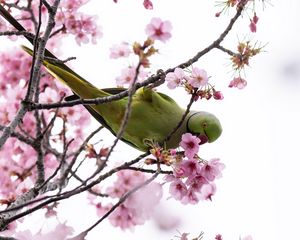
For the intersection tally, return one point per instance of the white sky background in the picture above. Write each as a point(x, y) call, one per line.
point(259, 191)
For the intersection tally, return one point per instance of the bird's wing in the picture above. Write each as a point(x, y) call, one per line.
point(98, 116)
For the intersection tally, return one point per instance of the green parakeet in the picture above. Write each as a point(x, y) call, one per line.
point(153, 115)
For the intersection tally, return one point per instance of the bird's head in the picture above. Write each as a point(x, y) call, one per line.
point(204, 125)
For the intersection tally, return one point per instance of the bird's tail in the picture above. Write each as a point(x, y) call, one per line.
point(78, 84)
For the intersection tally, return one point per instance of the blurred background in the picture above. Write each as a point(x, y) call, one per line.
point(259, 192)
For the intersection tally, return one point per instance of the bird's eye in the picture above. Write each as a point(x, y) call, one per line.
point(204, 125)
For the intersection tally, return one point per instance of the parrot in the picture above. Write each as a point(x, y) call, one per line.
point(153, 117)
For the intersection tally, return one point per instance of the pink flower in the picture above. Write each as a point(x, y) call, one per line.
point(73, 5)
point(218, 237)
point(187, 168)
point(175, 78)
point(96, 34)
point(148, 4)
point(198, 78)
point(253, 23)
point(81, 37)
point(178, 189)
point(49, 96)
point(127, 76)
point(122, 217)
point(212, 169)
point(121, 50)
point(190, 144)
point(101, 209)
point(218, 95)
point(252, 27)
point(207, 191)
point(82, 26)
point(238, 82)
point(195, 183)
point(191, 197)
point(24, 186)
point(159, 30)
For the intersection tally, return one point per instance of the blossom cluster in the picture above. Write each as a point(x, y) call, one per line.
point(197, 79)
point(69, 20)
point(18, 158)
point(82, 26)
point(193, 179)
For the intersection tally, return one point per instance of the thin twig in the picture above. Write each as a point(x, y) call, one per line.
point(231, 53)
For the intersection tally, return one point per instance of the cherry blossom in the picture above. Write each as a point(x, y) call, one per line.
point(193, 180)
point(218, 95)
point(198, 78)
point(191, 197)
point(189, 167)
point(174, 79)
point(73, 5)
point(129, 74)
point(212, 169)
point(253, 23)
point(120, 50)
point(218, 237)
point(208, 190)
point(178, 189)
point(238, 82)
point(49, 95)
point(190, 144)
point(159, 30)
point(196, 182)
point(148, 4)
point(14, 68)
